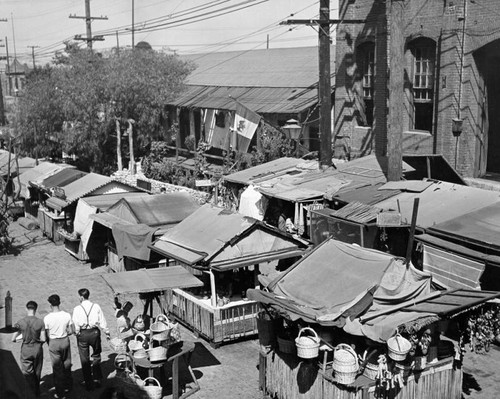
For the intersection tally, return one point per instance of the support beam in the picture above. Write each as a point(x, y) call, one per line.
point(396, 91)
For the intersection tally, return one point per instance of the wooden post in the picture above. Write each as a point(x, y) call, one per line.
point(178, 143)
point(213, 292)
point(118, 145)
point(324, 86)
point(192, 131)
point(412, 230)
point(396, 91)
point(8, 311)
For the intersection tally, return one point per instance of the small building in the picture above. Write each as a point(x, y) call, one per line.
point(227, 251)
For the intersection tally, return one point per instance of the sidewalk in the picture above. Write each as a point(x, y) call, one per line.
point(42, 268)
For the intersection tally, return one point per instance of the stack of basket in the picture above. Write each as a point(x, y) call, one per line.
point(118, 345)
point(161, 328)
point(345, 364)
point(307, 345)
point(136, 346)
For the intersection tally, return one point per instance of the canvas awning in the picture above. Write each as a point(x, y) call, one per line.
point(223, 239)
point(151, 280)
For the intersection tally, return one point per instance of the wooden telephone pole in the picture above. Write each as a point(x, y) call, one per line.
point(324, 83)
point(88, 20)
point(396, 91)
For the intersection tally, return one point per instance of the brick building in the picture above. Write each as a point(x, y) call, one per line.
point(451, 52)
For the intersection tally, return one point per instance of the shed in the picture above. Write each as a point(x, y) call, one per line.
point(225, 249)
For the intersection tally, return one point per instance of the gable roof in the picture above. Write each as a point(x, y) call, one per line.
point(42, 171)
point(225, 239)
point(59, 179)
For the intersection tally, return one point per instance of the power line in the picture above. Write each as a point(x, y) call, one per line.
point(33, 54)
point(88, 20)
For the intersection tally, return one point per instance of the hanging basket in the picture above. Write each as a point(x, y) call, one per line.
point(345, 364)
point(118, 345)
point(307, 346)
point(137, 343)
point(153, 391)
point(398, 347)
point(371, 371)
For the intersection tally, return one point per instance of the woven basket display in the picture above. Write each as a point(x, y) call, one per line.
point(345, 364)
point(286, 345)
point(161, 328)
point(118, 345)
point(307, 346)
point(157, 354)
point(398, 347)
point(371, 371)
point(153, 391)
point(137, 343)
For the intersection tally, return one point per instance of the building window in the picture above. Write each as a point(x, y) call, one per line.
point(424, 56)
point(366, 76)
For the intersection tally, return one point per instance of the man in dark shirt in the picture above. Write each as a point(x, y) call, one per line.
point(33, 336)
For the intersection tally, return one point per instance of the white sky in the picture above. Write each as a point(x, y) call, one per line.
point(46, 23)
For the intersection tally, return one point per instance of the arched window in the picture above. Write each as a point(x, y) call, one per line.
point(365, 60)
point(423, 52)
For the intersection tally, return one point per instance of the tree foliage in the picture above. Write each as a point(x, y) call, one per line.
point(72, 105)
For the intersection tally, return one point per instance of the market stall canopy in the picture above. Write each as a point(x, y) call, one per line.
point(90, 184)
point(439, 201)
point(134, 221)
point(225, 240)
point(335, 279)
point(151, 280)
point(43, 170)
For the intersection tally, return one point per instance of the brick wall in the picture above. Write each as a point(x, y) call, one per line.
point(441, 21)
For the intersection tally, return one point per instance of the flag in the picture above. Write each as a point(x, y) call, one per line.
point(244, 126)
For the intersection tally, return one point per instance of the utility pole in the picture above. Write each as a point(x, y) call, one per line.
point(396, 92)
point(324, 83)
point(88, 20)
point(2, 106)
point(133, 25)
point(9, 80)
point(33, 54)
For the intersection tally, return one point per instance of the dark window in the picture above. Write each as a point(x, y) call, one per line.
point(366, 73)
point(424, 56)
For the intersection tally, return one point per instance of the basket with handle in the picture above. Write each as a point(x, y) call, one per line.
point(398, 347)
point(345, 364)
point(161, 328)
point(307, 346)
point(118, 345)
point(153, 391)
point(137, 343)
point(157, 354)
point(125, 370)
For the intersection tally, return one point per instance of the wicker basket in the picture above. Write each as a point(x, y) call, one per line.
point(157, 354)
point(153, 391)
point(137, 343)
point(371, 371)
point(286, 345)
point(118, 345)
point(345, 364)
point(123, 361)
point(307, 346)
point(161, 328)
point(398, 347)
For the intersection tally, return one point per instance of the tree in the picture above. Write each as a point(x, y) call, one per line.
point(89, 92)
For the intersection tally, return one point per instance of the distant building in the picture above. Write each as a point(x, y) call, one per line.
point(278, 84)
point(451, 79)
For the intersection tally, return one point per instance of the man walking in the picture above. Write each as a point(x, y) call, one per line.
point(88, 318)
point(33, 337)
point(59, 327)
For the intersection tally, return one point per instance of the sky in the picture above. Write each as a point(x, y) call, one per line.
point(181, 26)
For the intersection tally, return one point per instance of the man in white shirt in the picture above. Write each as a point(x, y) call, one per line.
point(58, 326)
point(88, 319)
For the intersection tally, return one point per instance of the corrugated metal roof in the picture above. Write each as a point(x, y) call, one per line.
point(265, 171)
point(440, 202)
point(61, 178)
point(103, 202)
point(259, 99)
point(283, 67)
point(43, 171)
point(84, 186)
